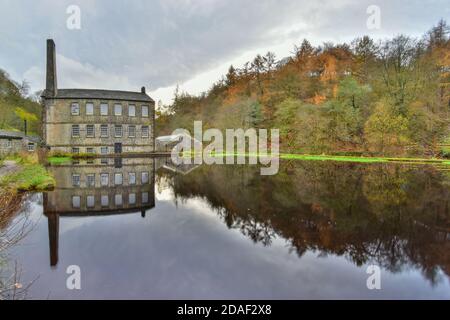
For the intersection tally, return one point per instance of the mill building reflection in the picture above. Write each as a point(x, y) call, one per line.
point(98, 187)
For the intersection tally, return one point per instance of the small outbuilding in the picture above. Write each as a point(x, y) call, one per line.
point(14, 142)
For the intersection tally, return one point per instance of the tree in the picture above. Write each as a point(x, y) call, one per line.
point(26, 117)
point(231, 76)
point(402, 70)
point(386, 129)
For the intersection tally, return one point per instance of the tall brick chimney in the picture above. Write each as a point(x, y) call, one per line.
point(51, 85)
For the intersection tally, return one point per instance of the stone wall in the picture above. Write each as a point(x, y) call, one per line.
point(15, 146)
point(58, 121)
point(60, 200)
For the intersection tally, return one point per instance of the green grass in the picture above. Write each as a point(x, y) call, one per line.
point(59, 160)
point(357, 159)
point(30, 177)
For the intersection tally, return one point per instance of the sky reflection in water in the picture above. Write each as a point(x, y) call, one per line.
point(226, 232)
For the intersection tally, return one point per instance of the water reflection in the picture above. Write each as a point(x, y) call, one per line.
point(396, 216)
point(98, 187)
point(228, 232)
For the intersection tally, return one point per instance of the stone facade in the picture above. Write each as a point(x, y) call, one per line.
point(15, 142)
point(82, 188)
point(60, 124)
point(97, 187)
point(76, 120)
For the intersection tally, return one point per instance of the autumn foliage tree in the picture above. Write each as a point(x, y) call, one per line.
point(388, 97)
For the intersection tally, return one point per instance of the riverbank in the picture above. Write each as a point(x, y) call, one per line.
point(55, 160)
point(356, 159)
point(19, 175)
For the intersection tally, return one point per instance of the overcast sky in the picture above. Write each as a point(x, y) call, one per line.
point(161, 43)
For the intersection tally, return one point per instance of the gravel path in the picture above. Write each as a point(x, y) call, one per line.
point(8, 166)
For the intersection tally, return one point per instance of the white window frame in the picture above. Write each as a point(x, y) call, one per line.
point(89, 109)
point(118, 109)
point(76, 180)
point(93, 131)
point(145, 177)
point(9, 143)
point(103, 111)
point(134, 131)
point(104, 203)
point(118, 181)
point(104, 176)
point(118, 199)
point(30, 144)
point(117, 126)
point(90, 201)
point(90, 183)
point(142, 132)
point(74, 198)
point(132, 198)
point(102, 135)
point(132, 107)
point(75, 109)
point(131, 178)
point(74, 126)
point(145, 197)
point(144, 114)
point(102, 149)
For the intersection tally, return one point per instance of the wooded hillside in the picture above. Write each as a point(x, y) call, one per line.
point(16, 105)
point(390, 97)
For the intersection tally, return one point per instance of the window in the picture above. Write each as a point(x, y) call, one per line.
point(145, 111)
point(118, 131)
point(90, 180)
point(9, 143)
point(104, 200)
point(75, 131)
point(118, 199)
point(76, 202)
point(103, 109)
point(90, 201)
point(104, 179)
point(131, 178)
point(144, 177)
point(131, 110)
point(131, 131)
point(118, 109)
point(75, 150)
point(104, 150)
point(90, 131)
point(76, 180)
point(90, 150)
point(132, 198)
point(75, 109)
point(104, 131)
point(118, 179)
point(89, 109)
point(30, 146)
point(144, 197)
point(104, 161)
point(144, 131)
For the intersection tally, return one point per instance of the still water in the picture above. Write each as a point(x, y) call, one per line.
point(145, 228)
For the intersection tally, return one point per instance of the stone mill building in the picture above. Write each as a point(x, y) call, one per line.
point(95, 121)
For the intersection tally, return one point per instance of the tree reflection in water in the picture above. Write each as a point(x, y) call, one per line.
point(393, 215)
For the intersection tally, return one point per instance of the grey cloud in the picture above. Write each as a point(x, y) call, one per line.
point(163, 42)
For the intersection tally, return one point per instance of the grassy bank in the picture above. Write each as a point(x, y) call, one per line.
point(61, 159)
point(29, 175)
point(356, 159)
